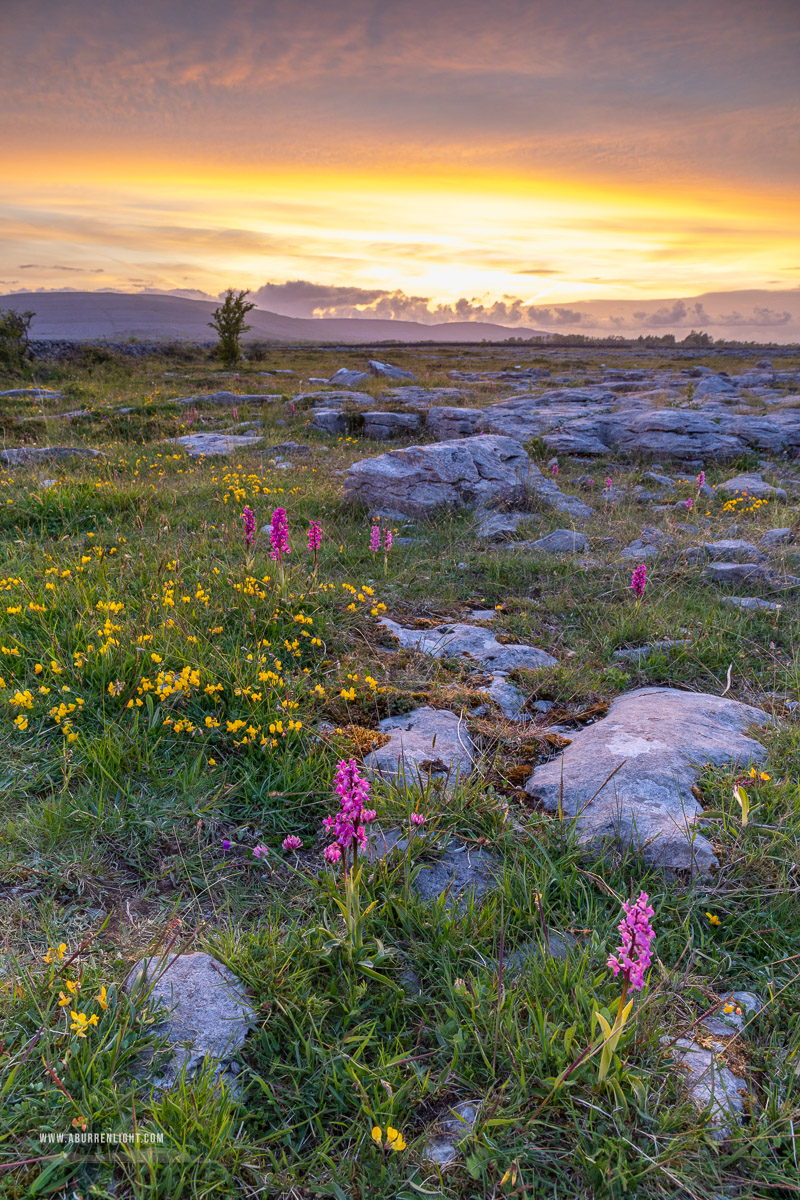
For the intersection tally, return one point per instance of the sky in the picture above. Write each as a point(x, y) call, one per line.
point(418, 158)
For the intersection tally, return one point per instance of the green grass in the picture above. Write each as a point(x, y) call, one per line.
point(112, 817)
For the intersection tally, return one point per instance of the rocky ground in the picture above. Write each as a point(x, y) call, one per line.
point(541, 744)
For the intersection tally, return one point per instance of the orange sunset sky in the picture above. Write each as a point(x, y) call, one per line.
point(401, 157)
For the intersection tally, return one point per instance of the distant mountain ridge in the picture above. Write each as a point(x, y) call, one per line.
point(87, 316)
point(755, 315)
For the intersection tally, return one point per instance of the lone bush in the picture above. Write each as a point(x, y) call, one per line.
point(14, 338)
point(229, 322)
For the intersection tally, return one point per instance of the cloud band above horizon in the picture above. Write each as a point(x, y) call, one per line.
point(441, 151)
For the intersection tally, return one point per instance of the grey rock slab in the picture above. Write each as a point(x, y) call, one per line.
point(442, 1145)
point(424, 397)
point(570, 440)
point(426, 742)
point(499, 526)
point(728, 573)
point(346, 378)
point(329, 420)
point(32, 393)
point(479, 643)
point(455, 872)
point(383, 425)
point(777, 537)
point(202, 445)
point(661, 481)
point(510, 699)
point(549, 494)
point(713, 386)
point(35, 454)
point(751, 485)
point(324, 399)
point(750, 603)
point(712, 1086)
point(639, 549)
point(656, 740)
point(734, 1013)
point(726, 550)
point(386, 371)
point(668, 433)
point(419, 480)
point(561, 541)
point(208, 1013)
point(447, 422)
point(458, 873)
point(291, 448)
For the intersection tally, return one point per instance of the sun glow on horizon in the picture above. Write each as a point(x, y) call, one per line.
point(438, 234)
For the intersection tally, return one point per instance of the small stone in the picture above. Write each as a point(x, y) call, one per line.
point(751, 603)
point(208, 1014)
point(452, 641)
point(777, 537)
point(732, 1016)
point(753, 485)
point(510, 699)
point(345, 378)
point(727, 550)
point(726, 573)
point(34, 454)
point(558, 945)
point(498, 526)
point(291, 448)
point(441, 1148)
point(330, 420)
point(387, 371)
point(426, 743)
point(640, 653)
point(458, 873)
point(560, 541)
point(712, 1086)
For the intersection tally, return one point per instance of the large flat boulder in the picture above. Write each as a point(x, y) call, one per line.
point(418, 480)
point(428, 742)
point(654, 740)
point(670, 433)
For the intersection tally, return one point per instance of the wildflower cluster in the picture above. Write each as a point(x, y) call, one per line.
point(279, 535)
point(347, 825)
point(639, 581)
point(248, 517)
point(633, 955)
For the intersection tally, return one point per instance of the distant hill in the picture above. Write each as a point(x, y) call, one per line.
point(85, 316)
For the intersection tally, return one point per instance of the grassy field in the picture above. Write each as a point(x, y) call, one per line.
point(162, 690)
